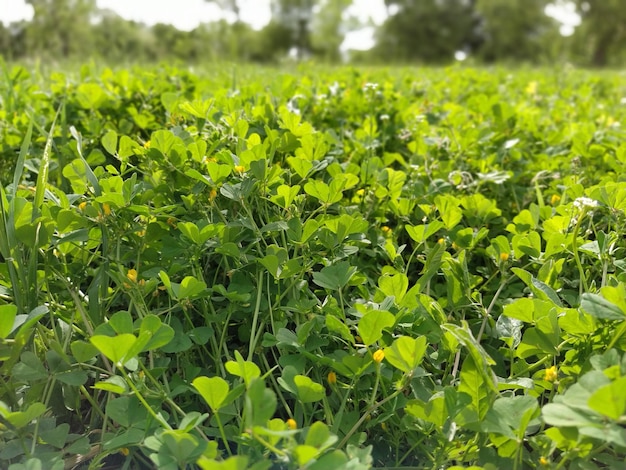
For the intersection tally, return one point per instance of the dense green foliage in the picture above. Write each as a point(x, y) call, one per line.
point(413, 32)
point(323, 269)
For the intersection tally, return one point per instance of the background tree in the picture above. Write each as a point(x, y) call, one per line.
point(515, 30)
point(601, 36)
point(61, 28)
point(426, 30)
point(297, 16)
point(328, 29)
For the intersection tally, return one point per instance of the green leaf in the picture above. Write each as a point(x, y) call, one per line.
point(472, 382)
point(115, 348)
point(260, 404)
point(109, 142)
point(395, 285)
point(371, 325)
point(191, 287)
point(334, 277)
point(610, 400)
point(214, 390)
point(308, 390)
point(406, 353)
point(244, 369)
point(319, 436)
point(601, 308)
point(335, 325)
point(7, 319)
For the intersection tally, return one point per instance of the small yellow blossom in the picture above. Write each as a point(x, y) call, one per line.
point(455, 246)
point(441, 241)
point(383, 426)
point(171, 221)
point(291, 424)
point(124, 451)
point(378, 356)
point(531, 88)
point(332, 378)
point(544, 462)
point(555, 199)
point(240, 168)
point(212, 194)
point(132, 275)
point(146, 145)
point(82, 206)
point(141, 233)
point(504, 256)
point(360, 192)
point(386, 231)
point(106, 209)
point(550, 374)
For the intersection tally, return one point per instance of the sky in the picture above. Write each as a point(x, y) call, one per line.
point(187, 14)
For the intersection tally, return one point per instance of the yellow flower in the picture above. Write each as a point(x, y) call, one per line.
point(146, 145)
point(132, 275)
point(531, 89)
point(504, 256)
point(141, 233)
point(386, 231)
point(106, 209)
point(378, 356)
point(291, 424)
point(544, 462)
point(212, 194)
point(360, 192)
point(82, 206)
point(171, 221)
point(240, 168)
point(332, 378)
point(550, 374)
point(124, 451)
point(555, 199)
point(441, 241)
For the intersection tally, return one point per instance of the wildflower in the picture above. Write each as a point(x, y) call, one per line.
point(378, 356)
point(82, 206)
point(332, 378)
point(455, 246)
point(585, 202)
point(543, 461)
point(504, 256)
point(171, 221)
point(384, 117)
point(555, 199)
point(240, 169)
point(132, 275)
point(550, 374)
point(124, 451)
point(146, 145)
point(441, 241)
point(106, 209)
point(531, 88)
point(291, 424)
point(212, 194)
point(370, 86)
point(386, 230)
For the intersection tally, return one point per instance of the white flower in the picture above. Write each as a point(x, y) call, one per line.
point(583, 202)
point(370, 86)
point(334, 88)
point(384, 117)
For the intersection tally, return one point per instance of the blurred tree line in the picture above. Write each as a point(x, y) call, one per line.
point(415, 31)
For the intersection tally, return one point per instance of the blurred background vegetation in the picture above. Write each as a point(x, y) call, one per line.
point(413, 32)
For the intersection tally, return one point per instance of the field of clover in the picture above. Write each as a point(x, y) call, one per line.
point(314, 268)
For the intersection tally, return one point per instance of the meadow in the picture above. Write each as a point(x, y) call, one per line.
point(318, 268)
